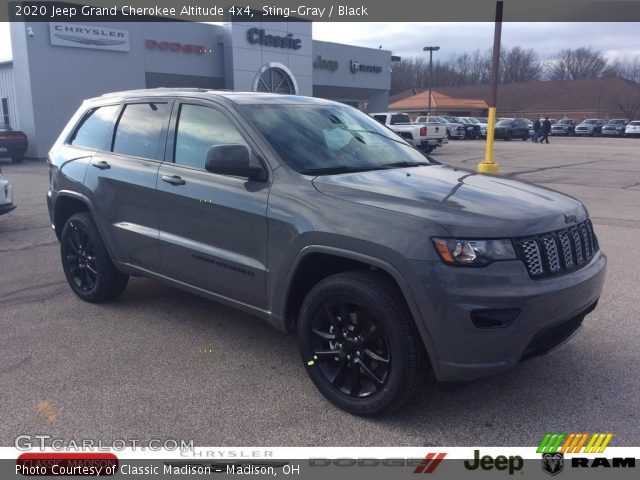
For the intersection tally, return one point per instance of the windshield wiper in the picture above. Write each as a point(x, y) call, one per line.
point(335, 170)
point(348, 169)
point(405, 164)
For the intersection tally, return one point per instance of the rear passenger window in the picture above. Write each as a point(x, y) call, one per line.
point(141, 130)
point(94, 128)
point(199, 128)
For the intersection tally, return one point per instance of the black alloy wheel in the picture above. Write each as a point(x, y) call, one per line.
point(80, 257)
point(86, 263)
point(359, 343)
point(351, 347)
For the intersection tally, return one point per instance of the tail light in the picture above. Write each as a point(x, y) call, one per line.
point(423, 131)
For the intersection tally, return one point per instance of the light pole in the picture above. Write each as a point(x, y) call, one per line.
point(430, 50)
point(488, 165)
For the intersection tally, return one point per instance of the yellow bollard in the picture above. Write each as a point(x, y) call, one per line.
point(488, 165)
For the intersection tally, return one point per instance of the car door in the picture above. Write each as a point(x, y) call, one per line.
point(213, 228)
point(122, 180)
point(521, 129)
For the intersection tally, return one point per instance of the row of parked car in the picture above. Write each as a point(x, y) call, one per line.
point(510, 128)
point(618, 127)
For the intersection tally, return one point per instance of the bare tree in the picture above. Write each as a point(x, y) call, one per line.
point(583, 62)
point(628, 69)
point(519, 65)
point(627, 105)
point(516, 65)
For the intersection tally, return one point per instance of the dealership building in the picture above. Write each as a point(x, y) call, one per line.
point(56, 66)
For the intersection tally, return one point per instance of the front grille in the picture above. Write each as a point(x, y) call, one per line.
point(558, 252)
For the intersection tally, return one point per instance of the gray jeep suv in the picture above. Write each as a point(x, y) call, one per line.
point(313, 216)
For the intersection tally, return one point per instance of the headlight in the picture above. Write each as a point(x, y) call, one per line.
point(475, 253)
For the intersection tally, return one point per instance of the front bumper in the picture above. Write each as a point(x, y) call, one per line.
point(6, 208)
point(433, 142)
point(9, 150)
point(615, 133)
point(546, 313)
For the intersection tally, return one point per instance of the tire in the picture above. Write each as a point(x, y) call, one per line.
point(86, 263)
point(17, 158)
point(428, 149)
point(524, 139)
point(380, 324)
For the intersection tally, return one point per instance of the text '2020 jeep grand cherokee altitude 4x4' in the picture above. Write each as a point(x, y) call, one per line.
point(317, 218)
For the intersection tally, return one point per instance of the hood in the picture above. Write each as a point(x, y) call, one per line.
point(465, 203)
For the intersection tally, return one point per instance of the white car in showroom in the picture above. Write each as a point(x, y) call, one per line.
point(6, 195)
point(633, 129)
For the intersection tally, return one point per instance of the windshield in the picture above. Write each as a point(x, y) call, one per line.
point(326, 139)
point(590, 122)
point(564, 122)
point(635, 124)
point(505, 123)
point(473, 120)
point(616, 122)
point(462, 120)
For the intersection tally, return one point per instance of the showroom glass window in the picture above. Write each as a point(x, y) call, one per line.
point(200, 128)
point(141, 130)
point(275, 80)
point(94, 128)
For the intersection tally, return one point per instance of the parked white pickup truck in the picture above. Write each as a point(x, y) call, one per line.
point(424, 137)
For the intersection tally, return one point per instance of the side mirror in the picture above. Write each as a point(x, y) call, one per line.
point(235, 160)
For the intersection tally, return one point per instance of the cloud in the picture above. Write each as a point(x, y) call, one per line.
point(615, 40)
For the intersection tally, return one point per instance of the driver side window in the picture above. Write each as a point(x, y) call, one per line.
point(199, 128)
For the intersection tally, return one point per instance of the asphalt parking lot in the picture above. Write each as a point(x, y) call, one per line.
point(161, 363)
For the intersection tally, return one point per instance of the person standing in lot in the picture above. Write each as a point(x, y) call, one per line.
point(536, 131)
point(546, 129)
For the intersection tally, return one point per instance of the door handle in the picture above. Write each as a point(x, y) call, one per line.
point(102, 164)
point(173, 180)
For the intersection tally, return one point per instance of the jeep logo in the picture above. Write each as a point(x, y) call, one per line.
point(511, 464)
point(570, 219)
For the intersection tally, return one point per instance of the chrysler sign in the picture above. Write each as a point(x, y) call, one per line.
point(87, 36)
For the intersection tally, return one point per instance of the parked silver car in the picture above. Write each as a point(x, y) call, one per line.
point(454, 129)
point(590, 126)
point(615, 127)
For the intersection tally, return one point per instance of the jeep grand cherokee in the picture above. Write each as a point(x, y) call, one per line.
point(313, 216)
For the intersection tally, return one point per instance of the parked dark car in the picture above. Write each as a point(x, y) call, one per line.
point(615, 127)
point(13, 143)
point(472, 130)
point(311, 215)
point(564, 127)
point(509, 128)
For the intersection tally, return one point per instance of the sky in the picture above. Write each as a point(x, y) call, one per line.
point(614, 40)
